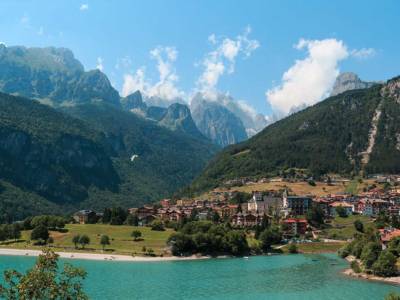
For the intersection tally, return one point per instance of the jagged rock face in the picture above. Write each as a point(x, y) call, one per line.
point(134, 101)
point(217, 123)
point(178, 118)
point(155, 112)
point(349, 81)
point(392, 89)
point(52, 75)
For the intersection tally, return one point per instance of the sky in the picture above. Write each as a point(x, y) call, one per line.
point(274, 56)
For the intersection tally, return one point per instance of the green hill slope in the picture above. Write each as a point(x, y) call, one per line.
point(86, 160)
point(164, 160)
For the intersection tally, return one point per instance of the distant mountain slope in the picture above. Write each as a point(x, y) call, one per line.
point(164, 160)
point(356, 130)
point(53, 76)
point(176, 117)
point(85, 159)
point(216, 122)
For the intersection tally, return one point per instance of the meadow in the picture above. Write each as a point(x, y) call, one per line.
point(121, 241)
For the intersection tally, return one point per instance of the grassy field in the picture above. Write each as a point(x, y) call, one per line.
point(316, 247)
point(343, 228)
point(299, 188)
point(121, 241)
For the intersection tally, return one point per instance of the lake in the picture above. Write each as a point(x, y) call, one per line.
point(263, 277)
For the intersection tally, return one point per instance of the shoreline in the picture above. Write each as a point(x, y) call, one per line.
point(98, 256)
point(349, 272)
point(370, 277)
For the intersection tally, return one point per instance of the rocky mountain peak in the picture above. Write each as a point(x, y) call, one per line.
point(179, 118)
point(134, 101)
point(349, 81)
point(217, 122)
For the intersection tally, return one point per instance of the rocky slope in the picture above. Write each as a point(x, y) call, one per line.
point(53, 76)
point(216, 122)
point(178, 118)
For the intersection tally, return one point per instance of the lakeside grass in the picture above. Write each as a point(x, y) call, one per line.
point(343, 228)
point(316, 247)
point(120, 239)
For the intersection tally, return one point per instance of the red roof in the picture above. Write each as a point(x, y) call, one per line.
point(292, 220)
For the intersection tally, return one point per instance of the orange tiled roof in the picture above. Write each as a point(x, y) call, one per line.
point(386, 237)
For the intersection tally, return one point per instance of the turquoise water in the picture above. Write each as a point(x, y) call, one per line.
point(269, 277)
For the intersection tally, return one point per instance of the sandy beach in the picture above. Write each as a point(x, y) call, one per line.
point(98, 256)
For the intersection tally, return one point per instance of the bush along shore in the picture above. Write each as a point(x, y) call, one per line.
point(372, 259)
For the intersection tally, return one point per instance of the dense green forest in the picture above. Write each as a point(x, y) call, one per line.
point(327, 137)
point(50, 160)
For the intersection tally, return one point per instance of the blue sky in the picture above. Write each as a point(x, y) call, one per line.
point(124, 33)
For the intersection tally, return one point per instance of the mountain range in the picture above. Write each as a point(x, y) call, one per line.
point(357, 131)
point(69, 141)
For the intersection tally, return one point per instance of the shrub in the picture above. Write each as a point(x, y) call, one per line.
point(344, 251)
point(370, 254)
point(385, 265)
point(359, 226)
point(392, 296)
point(341, 212)
point(157, 225)
point(355, 266)
point(292, 248)
point(269, 237)
point(40, 232)
point(136, 234)
point(84, 240)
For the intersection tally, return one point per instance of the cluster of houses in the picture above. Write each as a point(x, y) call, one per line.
point(370, 203)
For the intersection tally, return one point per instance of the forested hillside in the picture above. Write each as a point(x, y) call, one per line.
point(335, 135)
point(101, 156)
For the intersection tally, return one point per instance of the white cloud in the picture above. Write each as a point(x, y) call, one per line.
point(363, 53)
point(222, 59)
point(309, 80)
point(165, 88)
point(134, 82)
point(84, 6)
point(100, 65)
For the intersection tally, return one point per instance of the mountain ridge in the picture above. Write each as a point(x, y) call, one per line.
point(330, 136)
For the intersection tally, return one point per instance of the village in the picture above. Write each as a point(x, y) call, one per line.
point(247, 210)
